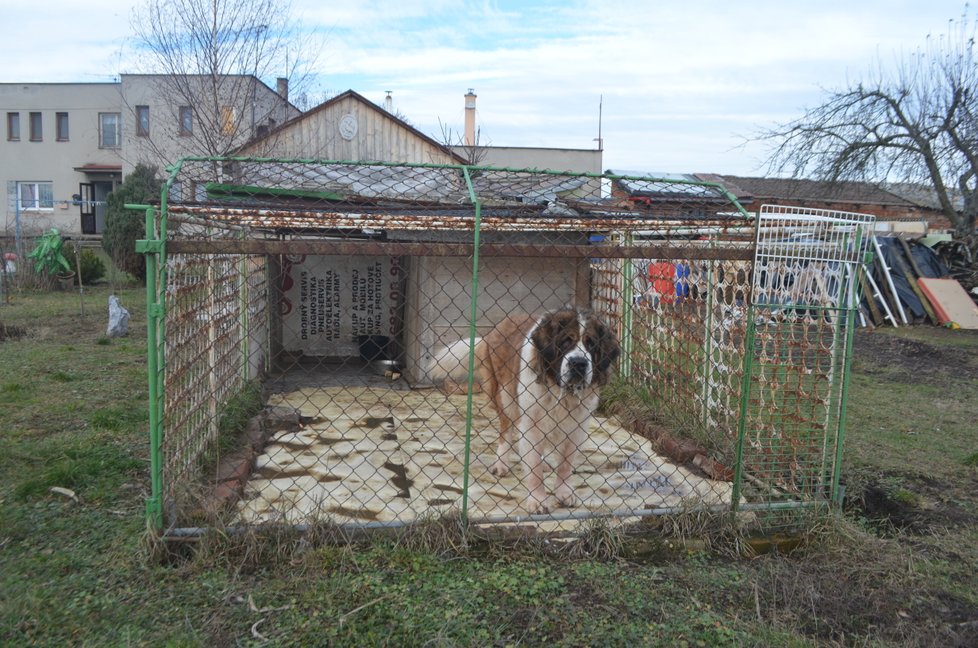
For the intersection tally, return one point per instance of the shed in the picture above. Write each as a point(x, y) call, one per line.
point(408, 304)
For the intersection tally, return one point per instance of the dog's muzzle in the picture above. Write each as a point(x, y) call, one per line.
point(576, 372)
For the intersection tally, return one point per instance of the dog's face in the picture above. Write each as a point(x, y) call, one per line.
point(575, 349)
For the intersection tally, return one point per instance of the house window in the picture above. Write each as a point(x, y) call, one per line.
point(186, 120)
point(109, 135)
point(61, 126)
point(35, 196)
point(13, 127)
point(142, 121)
point(229, 120)
point(36, 133)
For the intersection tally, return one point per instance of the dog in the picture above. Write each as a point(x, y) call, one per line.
point(542, 375)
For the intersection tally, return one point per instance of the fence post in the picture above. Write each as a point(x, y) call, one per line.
point(473, 314)
point(152, 248)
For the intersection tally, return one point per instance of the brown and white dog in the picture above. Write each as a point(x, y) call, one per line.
point(542, 375)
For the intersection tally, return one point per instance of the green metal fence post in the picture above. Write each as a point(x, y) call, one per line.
point(744, 409)
point(151, 247)
point(473, 314)
point(836, 492)
point(852, 306)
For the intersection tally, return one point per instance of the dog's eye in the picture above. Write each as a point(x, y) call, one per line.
point(566, 343)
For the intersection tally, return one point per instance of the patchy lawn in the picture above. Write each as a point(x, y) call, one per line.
point(897, 569)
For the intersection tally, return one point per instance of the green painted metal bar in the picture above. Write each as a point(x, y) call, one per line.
point(852, 306)
point(836, 494)
point(467, 170)
point(154, 249)
point(473, 315)
point(154, 504)
point(744, 409)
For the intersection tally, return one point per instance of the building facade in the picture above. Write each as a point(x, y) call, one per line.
point(66, 146)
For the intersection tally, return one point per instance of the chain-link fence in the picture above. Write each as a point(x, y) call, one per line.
point(510, 345)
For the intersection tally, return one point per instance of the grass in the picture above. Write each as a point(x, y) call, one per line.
point(895, 570)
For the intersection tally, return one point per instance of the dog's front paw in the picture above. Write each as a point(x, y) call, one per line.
point(566, 497)
point(499, 468)
point(537, 504)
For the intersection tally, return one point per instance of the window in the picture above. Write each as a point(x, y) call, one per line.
point(229, 120)
point(36, 134)
point(186, 120)
point(109, 130)
point(13, 127)
point(34, 196)
point(142, 121)
point(61, 126)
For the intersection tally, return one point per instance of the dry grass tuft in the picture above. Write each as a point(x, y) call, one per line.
point(598, 539)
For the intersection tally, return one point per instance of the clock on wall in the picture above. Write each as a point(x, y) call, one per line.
point(348, 127)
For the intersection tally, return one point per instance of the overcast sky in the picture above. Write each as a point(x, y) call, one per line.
point(683, 83)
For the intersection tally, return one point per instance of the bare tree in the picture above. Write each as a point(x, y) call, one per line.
point(209, 58)
point(474, 153)
point(915, 122)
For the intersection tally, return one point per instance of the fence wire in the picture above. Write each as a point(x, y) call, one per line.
point(317, 322)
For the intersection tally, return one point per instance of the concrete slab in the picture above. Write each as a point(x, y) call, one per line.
point(380, 454)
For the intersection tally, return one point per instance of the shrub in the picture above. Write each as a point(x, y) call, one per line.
point(48, 254)
point(92, 267)
point(123, 227)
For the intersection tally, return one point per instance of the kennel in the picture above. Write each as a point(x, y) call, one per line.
point(317, 292)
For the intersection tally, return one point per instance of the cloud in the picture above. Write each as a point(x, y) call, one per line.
point(690, 79)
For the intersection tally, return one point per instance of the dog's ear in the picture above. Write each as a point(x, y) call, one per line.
point(545, 344)
point(605, 350)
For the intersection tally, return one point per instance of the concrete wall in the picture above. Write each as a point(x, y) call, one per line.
point(253, 105)
point(550, 159)
point(79, 159)
point(439, 291)
point(50, 160)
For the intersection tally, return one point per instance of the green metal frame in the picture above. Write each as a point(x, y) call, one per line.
point(473, 314)
point(154, 247)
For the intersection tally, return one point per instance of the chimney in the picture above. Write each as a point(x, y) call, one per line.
point(470, 118)
point(389, 102)
point(282, 87)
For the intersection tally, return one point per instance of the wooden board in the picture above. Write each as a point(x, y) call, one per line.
point(951, 302)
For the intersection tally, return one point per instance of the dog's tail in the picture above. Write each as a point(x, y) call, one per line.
point(452, 362)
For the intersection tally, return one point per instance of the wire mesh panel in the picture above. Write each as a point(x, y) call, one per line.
point(799, 338)
point(428, 340)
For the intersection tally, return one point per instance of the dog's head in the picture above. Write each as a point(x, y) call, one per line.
point(575, 349)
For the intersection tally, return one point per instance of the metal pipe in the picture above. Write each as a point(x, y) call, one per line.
point(473, 314)
point(350, 247)
point(566, 516)
point(154, 504)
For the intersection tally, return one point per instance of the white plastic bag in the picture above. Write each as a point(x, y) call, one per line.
point(118, 319)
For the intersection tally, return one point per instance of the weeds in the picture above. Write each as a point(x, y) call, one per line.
point(598, 539)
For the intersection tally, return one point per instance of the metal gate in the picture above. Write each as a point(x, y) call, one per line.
point(799, 347)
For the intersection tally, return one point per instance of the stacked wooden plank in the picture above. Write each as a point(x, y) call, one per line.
point(907, 283)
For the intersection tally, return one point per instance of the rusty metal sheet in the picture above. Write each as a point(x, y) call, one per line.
point(455, 220)
point(400, 248)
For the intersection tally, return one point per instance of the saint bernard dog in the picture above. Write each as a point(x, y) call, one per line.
point(542, 375)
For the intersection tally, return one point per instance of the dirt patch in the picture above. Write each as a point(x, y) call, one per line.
point(907, 360)
point(8, 332)
point(913, 505)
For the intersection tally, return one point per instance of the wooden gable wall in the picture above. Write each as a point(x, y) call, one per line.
point(378, 137)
